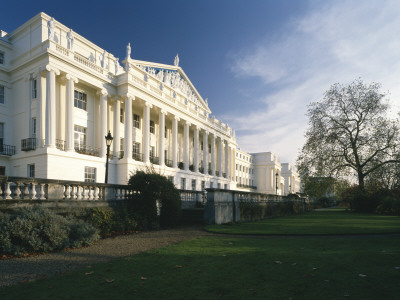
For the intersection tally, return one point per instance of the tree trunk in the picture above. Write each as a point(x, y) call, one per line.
point(361, 180)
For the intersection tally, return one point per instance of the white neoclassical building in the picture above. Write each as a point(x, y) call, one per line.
point(60, 94)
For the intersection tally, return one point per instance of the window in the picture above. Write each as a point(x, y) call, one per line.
point(152, 126)
point(136, 147)
point(121, 144)
point(79, 136)
point(211, 185)
point(136, 121)
point(31, 170)
point(121, 115)
point(209, 148)
point(236, 167)
point(201, 145)
point(218, 185)
point(2, 170)
point(203, 185)
point(183, 183)
point(152, 151)
point(193, 184)
point(33, 133)
point(90, 174)
point(165, 132)
point(225, 186)
point(1, 136)
point(80, 100)
point(2, 94)
point(1, 58)
point(34, 88)
point(171, 179)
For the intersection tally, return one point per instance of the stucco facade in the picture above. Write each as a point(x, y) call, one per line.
point(60, 94)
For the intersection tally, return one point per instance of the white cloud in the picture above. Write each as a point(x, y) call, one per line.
point(336, 41)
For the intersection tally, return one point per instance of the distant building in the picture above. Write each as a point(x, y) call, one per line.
point(60, 94)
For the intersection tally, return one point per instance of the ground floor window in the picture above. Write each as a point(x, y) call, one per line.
point(31, 170)
point(90, 174)
point(225, 186)
point(203, 185)
point(171, 179)
point(218, 185)
point(2, 170)
point(183, 183)
point(193, 184)
point(211, 185)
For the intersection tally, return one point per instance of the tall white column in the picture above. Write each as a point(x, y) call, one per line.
point(128, 127)
point(146, 132)
point(175, 142)
point(205, 152)
point(103, 122)
point(39, 106)
point(186, 145)
point(50, 128)
point(226, 159)
point(117, 137)
point(220, 157)
point(69, 109)
point(196, 149)
point(213, 154)
point(161, 137)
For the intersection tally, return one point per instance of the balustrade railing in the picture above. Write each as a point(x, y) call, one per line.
point(7, 150)
point(60, 144)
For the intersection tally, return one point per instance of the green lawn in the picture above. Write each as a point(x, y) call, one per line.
point(333, 267)
point(237, 268)
point(321, 222)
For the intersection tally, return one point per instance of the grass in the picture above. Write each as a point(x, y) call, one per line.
point(312, 223)
point(335, 267)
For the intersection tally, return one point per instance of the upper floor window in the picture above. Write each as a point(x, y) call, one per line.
point(33, 129)
point(152, 127)
point(1, 58)
point(79, 136)
point(34, 88)
point(121, 115)
point(136, 148)
point(80, 100)
point(1, 134)
point(136, 121)
point(2, 94)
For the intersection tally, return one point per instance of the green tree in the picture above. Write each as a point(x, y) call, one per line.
point(349, 133)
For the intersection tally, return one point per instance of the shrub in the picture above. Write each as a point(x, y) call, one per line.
point(154, 194)
point(38, 229)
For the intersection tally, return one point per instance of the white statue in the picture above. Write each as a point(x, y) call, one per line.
point(70, 40)
point(206, 101)
point(116, 65)
point(127, 66)
point(128, 51)
point(176, 61)
point(160, 75)
point(51, 26)
point(103, 59)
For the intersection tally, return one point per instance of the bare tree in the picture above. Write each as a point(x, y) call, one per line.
point(350, 133)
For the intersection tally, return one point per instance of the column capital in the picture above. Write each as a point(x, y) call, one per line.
point(70, 77)
point(148, 104)
point(126, 96)
point(102, 92)
point(177, 118)
point(50, 68)
point(188, 123)
point(164, 112)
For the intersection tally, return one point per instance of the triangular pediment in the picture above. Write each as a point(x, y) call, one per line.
point(174, 77)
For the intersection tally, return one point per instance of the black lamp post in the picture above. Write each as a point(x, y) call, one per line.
point(276, 187)
point(290, 188)
point(109, 140)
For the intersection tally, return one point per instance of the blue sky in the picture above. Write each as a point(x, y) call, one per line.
point(259, 63)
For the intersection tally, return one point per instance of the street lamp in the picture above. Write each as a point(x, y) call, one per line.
point(109, 140)
point(276, 185)
point(290, 188)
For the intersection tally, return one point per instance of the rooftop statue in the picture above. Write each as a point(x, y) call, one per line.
point(103, 59)
point(128, 51)
point(116, 65)
point(51, 26)
point(176, 61)
point(70, 40)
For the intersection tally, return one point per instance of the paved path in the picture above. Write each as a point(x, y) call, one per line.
point(16, 270)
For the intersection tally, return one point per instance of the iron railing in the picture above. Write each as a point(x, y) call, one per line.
point(28, 144)
point(7, 150)
point(88, 150)
point(137, 156)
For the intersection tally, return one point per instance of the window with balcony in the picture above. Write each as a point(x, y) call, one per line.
point(136, 121)
point(31, 170)
point(152, 127)
point(90, 174)
point(80, 100)
point(34, 88)
point(2, 94)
